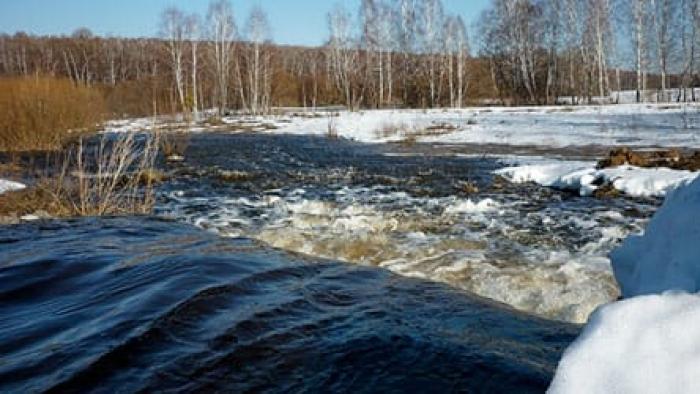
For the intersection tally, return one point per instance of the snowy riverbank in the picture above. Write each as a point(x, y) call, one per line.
point(584, 178)
point(648, 342)
point(560, 126)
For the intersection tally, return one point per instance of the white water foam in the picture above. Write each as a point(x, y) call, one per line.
point(490, 247)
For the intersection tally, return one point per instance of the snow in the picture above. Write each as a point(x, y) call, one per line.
point(8, 186)
point(584, 178)
point(469, 206)
point(614, 125)
point(646, 344)
point(649, 342)
point(667, 256)
point(670, 125)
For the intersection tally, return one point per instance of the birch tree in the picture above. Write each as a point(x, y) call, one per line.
point(193, 33)
point(430, 26)
point(343, 55)
point(222, 33)
point(370, 17)
point(406, 37)
point(258, 61)
point(639, 12)
point(173, 26)
point(599, 30)
point(664, 19)
point(689, 22)
point(457, 50)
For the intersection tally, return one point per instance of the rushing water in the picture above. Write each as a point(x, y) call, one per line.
point(418, 215)
point(138, 304)
point(325, 265)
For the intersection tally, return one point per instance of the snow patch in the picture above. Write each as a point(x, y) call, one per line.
point(584, 178)
point(667, 256)
point(647, 344)
point(8, 186)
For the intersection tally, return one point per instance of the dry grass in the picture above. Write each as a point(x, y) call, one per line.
point(43, 113)
point(115, 176)
point(110, 180)
point(234, 176)
point(174, 144)
point(389, 130)
point(409, 135)
point(34, 199)
point(332, 128)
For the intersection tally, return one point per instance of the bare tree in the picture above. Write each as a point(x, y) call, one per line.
point(222, 33)
point(173, 29)
point(193, 32)
point(430, 26)
point(457, 50)
point(258, 61)
point(665, 16)
point(343, 56)
point(639, 16)
point(689, 22)
point(406, 37)
point(600, 31)
point(370, 15)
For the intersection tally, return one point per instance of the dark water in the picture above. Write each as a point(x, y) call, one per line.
point(401, 207)
point(146, 304)
point(141, 305)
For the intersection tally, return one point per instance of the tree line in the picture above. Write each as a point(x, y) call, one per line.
point(542, 50)
point(387, 53)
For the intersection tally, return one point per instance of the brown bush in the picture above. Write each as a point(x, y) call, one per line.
point(174, 144)
point(114, 175)
point(41, 113)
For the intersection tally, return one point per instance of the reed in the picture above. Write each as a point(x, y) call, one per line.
point(41, 113)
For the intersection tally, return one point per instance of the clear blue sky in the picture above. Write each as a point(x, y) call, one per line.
point(300, 22)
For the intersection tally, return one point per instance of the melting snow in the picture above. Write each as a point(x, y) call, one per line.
point(584, 178)
point(647, 343)
point(8, 186)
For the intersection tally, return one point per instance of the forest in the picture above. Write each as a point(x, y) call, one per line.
point(386, 54)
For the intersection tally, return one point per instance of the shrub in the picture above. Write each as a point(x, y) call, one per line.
point(117, 176)
point(389, 129)
point(174, 144)
point(332, 127)
point(42, 113)
point(113, 175)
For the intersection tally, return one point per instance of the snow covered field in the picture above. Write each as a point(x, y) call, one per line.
point(647, 125)
point(615, 125)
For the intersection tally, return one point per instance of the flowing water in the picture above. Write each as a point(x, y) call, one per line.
point(418, 215)
point(139, 305)
point(324, 265)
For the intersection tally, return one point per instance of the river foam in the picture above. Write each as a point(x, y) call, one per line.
point(550, 261)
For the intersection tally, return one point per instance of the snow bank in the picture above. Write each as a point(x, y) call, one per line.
point(8, 186)
point(650, 342)
point(584, 178)
point(669, 125)
point(646, 344)
point(667, 256)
